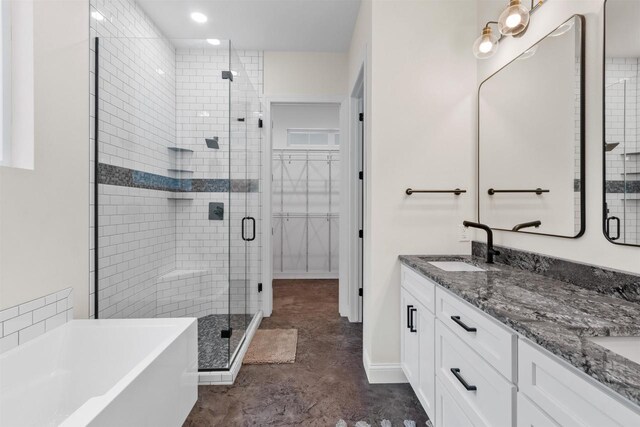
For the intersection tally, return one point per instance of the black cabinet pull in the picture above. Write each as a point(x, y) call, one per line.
point(412, 328)
point(461, 323)
point(456, 373)
point(409, 307)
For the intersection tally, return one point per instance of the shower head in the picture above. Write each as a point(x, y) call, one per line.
point(212, 142)
point(609, 146)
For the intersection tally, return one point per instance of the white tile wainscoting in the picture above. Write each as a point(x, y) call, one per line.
point(31, 319)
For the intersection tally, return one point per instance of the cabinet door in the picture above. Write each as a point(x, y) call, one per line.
point(450, 414)
point(409, 338)
point(529, 415)
point(426, 339)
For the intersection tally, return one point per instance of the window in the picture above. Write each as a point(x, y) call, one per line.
point(313, 138)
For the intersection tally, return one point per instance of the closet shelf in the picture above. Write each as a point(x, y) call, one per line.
point(180, 170)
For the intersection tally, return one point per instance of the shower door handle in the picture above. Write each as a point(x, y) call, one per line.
point(608, 228)
point(243, 229)
point(253, 228)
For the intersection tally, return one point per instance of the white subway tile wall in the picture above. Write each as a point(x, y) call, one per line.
point(621, 112)
point(29, 320)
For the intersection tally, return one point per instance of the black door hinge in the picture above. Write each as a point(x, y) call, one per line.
point(226, 333)
point(360, 292)
point(361, 175)
point(259, 123)
point(259, 287)
point(360, 234)
point(227, 75)
point(361, 117)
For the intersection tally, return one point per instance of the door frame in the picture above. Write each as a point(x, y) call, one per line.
point(267, 209)
point(356, 204)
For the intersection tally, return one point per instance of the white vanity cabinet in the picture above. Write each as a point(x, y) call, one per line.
point(417, 336)
point(470, 370)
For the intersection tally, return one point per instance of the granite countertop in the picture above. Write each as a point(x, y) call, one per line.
point(557, 315)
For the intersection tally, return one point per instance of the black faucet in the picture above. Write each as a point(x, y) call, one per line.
point(490, 250)
point(519, 227)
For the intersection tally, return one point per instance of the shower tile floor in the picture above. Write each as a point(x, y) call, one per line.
point(213, 350)
point(327, 382)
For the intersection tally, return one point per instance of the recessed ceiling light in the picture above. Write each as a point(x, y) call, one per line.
point(97, 16)
point(200, 18)
point(214, 42)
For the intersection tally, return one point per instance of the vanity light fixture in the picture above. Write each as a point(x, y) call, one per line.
point(486, 45)
point(200, 18)
point(513, 21)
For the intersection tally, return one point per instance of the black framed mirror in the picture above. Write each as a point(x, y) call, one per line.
point(621, 116)
point(531, 164)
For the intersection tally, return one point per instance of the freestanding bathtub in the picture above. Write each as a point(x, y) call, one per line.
point(112, 373)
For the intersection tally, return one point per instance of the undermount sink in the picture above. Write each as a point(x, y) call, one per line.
point(628, 347)
point(455, 266)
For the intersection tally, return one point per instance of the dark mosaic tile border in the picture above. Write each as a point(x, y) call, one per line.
point(123, 177)
point(605, 281)
point(613, 186)
point(618, 187)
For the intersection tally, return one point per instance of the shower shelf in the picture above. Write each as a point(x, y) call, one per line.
point(180, 150)
point(180, 170)
point(179, 198)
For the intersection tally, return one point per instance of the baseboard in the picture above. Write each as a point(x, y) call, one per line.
point(228, 377)
point(382, 373)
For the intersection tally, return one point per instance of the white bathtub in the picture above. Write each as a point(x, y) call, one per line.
point(141, 372)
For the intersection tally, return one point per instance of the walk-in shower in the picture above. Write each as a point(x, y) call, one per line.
point(178, 188)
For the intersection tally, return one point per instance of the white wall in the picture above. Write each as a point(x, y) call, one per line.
point(422, 135)
point(44, 212)
point(591, 248)
point(305, 73)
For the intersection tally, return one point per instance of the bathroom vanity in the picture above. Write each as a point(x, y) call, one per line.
point(491, 345)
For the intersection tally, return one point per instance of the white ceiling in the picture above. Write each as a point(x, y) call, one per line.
point(287, 25)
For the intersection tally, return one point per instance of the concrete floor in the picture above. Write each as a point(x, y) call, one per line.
point(325, 384)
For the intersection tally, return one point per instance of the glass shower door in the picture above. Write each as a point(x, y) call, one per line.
point(241, 226)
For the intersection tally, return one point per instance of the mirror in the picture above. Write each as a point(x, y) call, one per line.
point(621, 117)
point(531, 138)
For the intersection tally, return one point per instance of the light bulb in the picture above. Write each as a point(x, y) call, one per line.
point(514, 19)
point(485, 45)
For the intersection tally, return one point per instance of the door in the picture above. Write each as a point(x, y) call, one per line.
point(410, 346)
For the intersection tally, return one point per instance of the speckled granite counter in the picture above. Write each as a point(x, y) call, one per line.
point(557, 315)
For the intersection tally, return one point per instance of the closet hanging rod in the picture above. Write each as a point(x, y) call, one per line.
point(457, 191)
point(538, 191)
